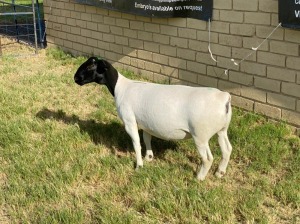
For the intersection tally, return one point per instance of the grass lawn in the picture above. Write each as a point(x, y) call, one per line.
point(65, 158)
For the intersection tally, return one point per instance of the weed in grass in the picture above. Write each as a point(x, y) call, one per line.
point(66, 158)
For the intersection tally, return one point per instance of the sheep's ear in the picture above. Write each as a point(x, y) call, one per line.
point(91, 63)
point(103, 63)
point(102, 66)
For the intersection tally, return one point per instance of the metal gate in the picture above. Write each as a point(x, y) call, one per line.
point(20, 23)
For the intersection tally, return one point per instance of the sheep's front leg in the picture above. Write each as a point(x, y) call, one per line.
point(206, 156)
point(132, 130)
point(147, 139)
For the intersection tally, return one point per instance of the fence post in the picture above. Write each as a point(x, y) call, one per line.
point(34, 25)
point(0, 47)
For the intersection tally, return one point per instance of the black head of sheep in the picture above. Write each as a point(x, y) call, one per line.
point(98, 71)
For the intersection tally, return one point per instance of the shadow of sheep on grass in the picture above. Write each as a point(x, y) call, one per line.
point(112, 135)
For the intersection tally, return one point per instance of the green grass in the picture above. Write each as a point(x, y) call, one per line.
point(65, 158)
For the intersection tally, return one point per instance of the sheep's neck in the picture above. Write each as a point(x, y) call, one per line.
point(111, 79)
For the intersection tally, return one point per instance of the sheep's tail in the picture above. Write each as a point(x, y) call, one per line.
point(228, 110)
point(228, 105)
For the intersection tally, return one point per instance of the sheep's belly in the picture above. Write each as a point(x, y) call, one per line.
point(170, 134)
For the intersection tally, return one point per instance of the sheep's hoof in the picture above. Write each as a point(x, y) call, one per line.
point(138, 167)
point(201, 178)
point(219, 174)
point(149, 158)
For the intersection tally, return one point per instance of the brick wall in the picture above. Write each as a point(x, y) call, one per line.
point(175, 50)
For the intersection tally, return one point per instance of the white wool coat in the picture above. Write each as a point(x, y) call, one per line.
point(172, 111)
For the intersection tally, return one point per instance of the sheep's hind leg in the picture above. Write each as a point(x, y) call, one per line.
point(226, 149)
point(132, 130)
point(147, 139)
point(206, 156)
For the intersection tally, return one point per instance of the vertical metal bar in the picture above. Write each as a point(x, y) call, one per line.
point(0, 47)
point(27, 27)
point(16, 21)
point(39, 23)
point(34, 26)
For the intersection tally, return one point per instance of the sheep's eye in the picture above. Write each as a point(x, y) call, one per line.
point(90, 67)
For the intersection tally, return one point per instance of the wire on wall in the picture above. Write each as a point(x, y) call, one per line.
point(232, 60)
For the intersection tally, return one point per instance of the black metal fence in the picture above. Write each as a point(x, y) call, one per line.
point(23, 22)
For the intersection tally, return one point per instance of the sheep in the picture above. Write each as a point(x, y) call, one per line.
point(170, 112)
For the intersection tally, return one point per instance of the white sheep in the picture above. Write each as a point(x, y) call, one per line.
point(168, 112)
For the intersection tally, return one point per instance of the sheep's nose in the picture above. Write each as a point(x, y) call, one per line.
point(77, 80)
